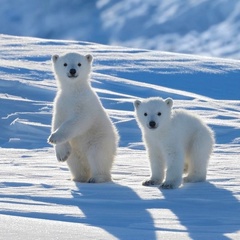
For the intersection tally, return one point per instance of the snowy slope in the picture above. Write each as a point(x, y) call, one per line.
point(37, 199)
point(204, 27)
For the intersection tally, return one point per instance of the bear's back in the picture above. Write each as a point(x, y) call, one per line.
point(185, 123)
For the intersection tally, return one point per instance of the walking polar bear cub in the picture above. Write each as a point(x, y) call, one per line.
point(82, 133)
point(176, 142)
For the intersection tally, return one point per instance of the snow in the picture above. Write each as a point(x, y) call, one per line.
point(37, 198)
point(203, 27)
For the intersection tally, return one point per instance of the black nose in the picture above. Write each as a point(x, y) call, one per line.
point(72, 71)
point(152, 124)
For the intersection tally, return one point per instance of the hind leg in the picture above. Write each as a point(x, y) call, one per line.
point(100, 167)
point(198, 159)
point(197, 170)
point(100, 158)
point(78, 167)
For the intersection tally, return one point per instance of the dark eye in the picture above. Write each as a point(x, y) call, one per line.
point(65, 64)
point(159, 114)
point(79, 64)
point(145, 114)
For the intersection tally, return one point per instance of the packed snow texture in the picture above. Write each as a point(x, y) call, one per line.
point(206, 27)
point(37, 198)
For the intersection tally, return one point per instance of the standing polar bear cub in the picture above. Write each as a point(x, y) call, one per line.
point(176, 142)
point(82, 133)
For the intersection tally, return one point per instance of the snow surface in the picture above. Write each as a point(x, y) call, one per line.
point(37, 198)
point(206, 27)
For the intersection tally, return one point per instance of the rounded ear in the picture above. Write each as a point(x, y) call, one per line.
point(55, 58)
point(169, 102)
point(89, 58)
point(137, 103)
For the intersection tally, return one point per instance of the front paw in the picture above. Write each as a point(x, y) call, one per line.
point(150, 182)
point(56, 138)
point(63, 151)
point(170, 184)
point(167, 186)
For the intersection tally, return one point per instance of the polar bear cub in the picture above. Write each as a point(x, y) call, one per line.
point(82, 132)
point(176, 142)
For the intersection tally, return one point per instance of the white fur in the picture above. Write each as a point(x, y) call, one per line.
point(179, 142)
point(82, 132)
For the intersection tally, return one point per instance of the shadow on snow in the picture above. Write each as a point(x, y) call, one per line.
point(203, 209)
